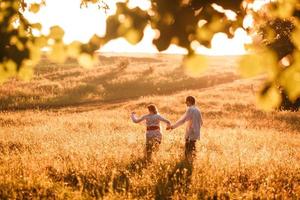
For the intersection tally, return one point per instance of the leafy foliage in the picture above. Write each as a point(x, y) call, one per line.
point(284, 42)
point(21, 49)
point(180, 22)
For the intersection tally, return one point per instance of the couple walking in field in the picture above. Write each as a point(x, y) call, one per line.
point(193, 120)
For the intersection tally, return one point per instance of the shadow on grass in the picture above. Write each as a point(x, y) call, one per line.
point(10, 148)
point(177, 180)
point(286, 119)
point(121, 181)
point(12, 190)
point(96, 185)
point(292, 119)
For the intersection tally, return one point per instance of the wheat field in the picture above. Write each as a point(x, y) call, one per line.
point(67, 134)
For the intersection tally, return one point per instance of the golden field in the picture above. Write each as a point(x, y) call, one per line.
point(67, 134)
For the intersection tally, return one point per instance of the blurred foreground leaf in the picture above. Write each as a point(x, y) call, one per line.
point(73, 49)
point(290, 80)
point(86, 61)
point(133, 36)
point(57, 52)
point(56, 33)
point(194, 65)
point(269, 99)
point(258, 63)
point(34, 8)
point(296, 38)
point(26, 73)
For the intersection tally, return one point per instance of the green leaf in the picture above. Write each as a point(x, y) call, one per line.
point(86, 60)
point(56, 33)
point(296, 56)
point(290, 80)
point(296, 37)
point(34, 8)
point(203, 33)
point(269, 100)
point(11, 68)
point(3, 74)
point(216, 24)
point(1, 17)
point(57, 53)
point(34, 53)
point(41, 42)
point(258, 63)
point(73, 49)
point(15, 41)
point(26, 72)
point(286, 8)
point(195, 65)
point(37, 26)
point(133, 36)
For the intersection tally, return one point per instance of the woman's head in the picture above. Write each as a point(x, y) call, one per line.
point(152, 108)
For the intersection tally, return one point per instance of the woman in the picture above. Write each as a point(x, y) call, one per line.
point(153, 132)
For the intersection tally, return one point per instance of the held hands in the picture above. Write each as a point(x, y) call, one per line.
point(169, 127)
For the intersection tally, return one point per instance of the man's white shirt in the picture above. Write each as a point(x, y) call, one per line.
point(194, 122)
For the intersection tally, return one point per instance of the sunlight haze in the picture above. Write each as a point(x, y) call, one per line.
point(81, 23)
point(84, 114)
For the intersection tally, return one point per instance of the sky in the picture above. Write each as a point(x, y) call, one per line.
point(81, 23)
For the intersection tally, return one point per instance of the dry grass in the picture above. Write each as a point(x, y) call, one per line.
point(80, 143)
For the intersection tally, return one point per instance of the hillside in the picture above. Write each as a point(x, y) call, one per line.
point(114, 78)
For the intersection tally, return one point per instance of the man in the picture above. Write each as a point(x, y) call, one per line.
point(194, 122)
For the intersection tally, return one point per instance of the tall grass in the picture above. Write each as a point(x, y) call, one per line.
point(92, 150)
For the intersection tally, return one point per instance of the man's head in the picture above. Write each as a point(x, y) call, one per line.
point(190, 101)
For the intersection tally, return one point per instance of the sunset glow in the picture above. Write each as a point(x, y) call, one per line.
point(81, 23)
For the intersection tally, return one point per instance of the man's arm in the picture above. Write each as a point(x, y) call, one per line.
point(181, 121)
point(135, 119)
point(201, 120)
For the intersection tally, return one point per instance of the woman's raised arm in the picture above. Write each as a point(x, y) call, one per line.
point(135, 119)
